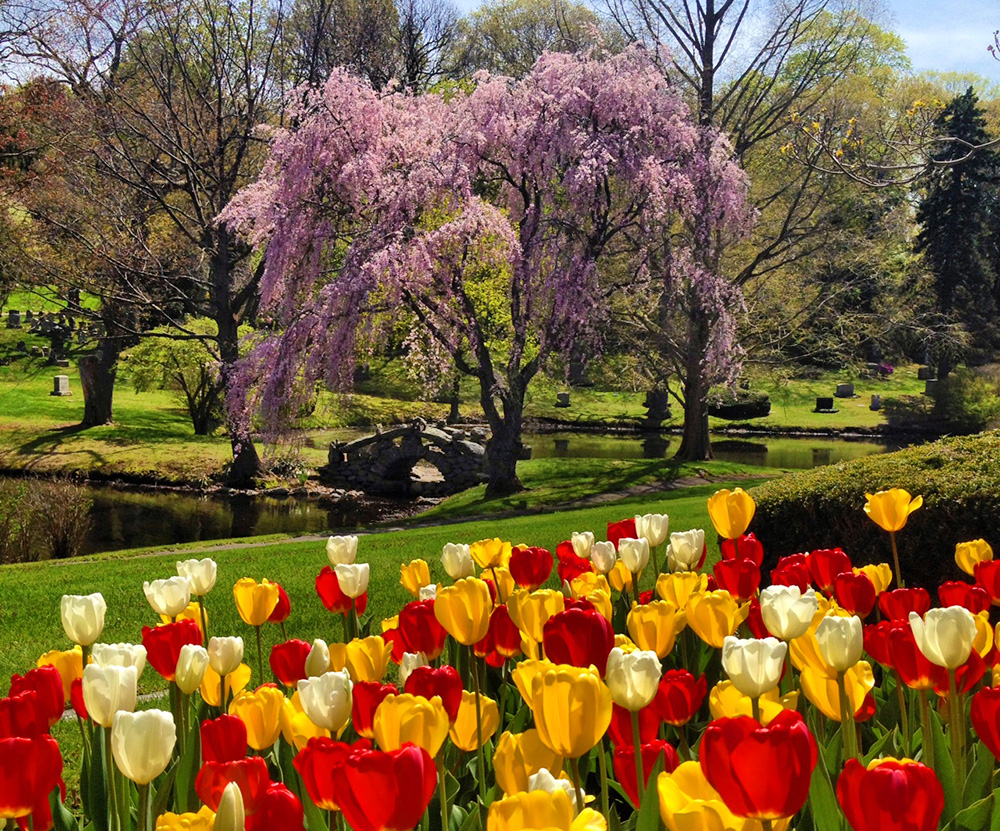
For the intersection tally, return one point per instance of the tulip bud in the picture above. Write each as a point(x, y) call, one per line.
point(652, 528)
point(120, 655)
point(428, 592)
point(840, 641)
point(603, 556)
point(225, 654)
point(326, 699)
point(231, 815)
point(192, 661)
point(353, 579)
point(686, 550)
point(634, 553)
point(318, 660)
point(168, 597)
point(200, 574)
point(143, 743)
point(457, 561)
point(545, 781)
point(342, 550)
point(409, 662)
point(633, 677)
point(106, 690)
point(945, 636)
point(787, 611)
point(890, 509)
point(83, 617)
point(754, 666)
point(582, 542)
point(970, 554)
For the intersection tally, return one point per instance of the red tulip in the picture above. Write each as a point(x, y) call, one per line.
point(624, 528)
point(76, 699)
point(530, 567)
point(315, 764)
point(278, 808)
point(420, 630)
point(916, 671)
point(747, 547)
point(570, 565)
point(957, 593)
point(738, 577)
point(760, 772)
point(792, 571)
point(365, 698)
point(966, 676)
point(877, 640)
point(987, 574)
point(503, 639)
point(890, 795)
point(21, 717)
point(29, 770)
point(825, 564)
point(855, 592)
point(47, 684)
point(754, 621)
point(333, 599)
point(443, 681)
point(249, 774)
point(680, 696)
point(288, 661)
point(620, 729)
point(223, 739)
point(163, 644)
point(284, 607)
point(578, 637)
point(897, 604)
point(623, 763)
point(378, 790)
point(986, 718)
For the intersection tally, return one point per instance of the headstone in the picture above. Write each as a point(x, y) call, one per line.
point(876, 404)
point(562, 399)
point(930, 387)
point(45, 352)
point(36, 352)
point(60, 385)
point(63, 362)
point(13, 319)
point(29, 316)
point(845, 391)
point(824, 405)
point(925, 373)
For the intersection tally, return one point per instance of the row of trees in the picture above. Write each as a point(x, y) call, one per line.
point(144, 124)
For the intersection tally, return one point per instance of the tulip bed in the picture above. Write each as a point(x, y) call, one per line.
point(824, 697)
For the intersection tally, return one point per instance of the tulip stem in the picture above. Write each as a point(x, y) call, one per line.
point(925, 728)
point(574, 765)
point(260, 657)
point(480, 763)
point(603, 762)
point(755, 707)
point(142, 822)
point(84, 655)
point(204, 619)
point(114, 823)
point(957, 730)
point(902, 713)
point(640, 780)
point(442, 791)
point(682, 741)
point(847, 720)
point(895, 559)
point(656, 565)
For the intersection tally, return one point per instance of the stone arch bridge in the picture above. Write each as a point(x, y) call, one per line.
point(411, 460)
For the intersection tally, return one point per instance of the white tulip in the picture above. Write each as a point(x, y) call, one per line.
point(787, 611)
point(327, 699)
point(106, 690)
point(429, 592)
point(945, 636)
point(143, 743)
point(841, 641)
point(603, 556)
point(200, 574)
point(582, 542)
point(83, 617)
point(634, 553)
point(685, 549)
point(353, 579)
point(120, 655)
point(168, 597)
point(652, 528)
point(225, 655)
point(192, 661)
point(545, 781)
point(410, 661)
point(231, 815)
point(633, 677)
point(754, 666)
point(342, 550)
point(318, 659)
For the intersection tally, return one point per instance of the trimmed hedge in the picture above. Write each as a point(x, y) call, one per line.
point(740, 405)
point(959, 479)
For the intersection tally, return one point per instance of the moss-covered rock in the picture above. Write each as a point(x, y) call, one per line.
point(958, 478)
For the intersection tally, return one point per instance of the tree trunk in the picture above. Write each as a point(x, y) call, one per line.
point(453, 414)
point(97, 380)
point(504, 446)
point(696, 441)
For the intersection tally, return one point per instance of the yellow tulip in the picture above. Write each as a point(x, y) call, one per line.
point(589, 582)
point(490, 553)
point(260, 711)
point(236, 682)
point(984, 634)
point(411, 718)
point(414, 576)
point(531, 610)
point(255, 601)
point(192, 612)
point(463, 731)
point(296, 727)
point(338, 657)
point(69, 663)
point(880, 575)
point(731, 512)
point(572, 709)
point(625, 643)
point(969, 554)
point(463, 609)
point(519, 756)
point(525, 671)
point(725, 701)
point(689, 803)
point(654, 626)
point(204, 820)
point(504, 582)
point(890, 509)
point(804, 650)
point(821, 688)
point(542, 811)
point(366, 659)
point(601, 600)
point(620, 577)
point(678, 587)
point(390, 623)
point(713, 615)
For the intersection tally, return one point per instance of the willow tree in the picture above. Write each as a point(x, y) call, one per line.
point(486, 218)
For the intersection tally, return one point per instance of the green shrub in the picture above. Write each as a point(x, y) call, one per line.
point(739, 404)
point(958, 478)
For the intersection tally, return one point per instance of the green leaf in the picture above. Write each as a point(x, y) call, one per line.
point(649, 810)
point(977, 783)
point(62, 819)
point(98, 787)
point(188, 765)
point(823, 805)
point(876, 749)
point(944, 769)
point(472, 822)
point(995, 816)
point(164, 790)
point(975, 816)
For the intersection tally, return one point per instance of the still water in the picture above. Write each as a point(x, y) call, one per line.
point(130, 519)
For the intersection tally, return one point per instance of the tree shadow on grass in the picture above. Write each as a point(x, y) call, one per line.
point(52, 441)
